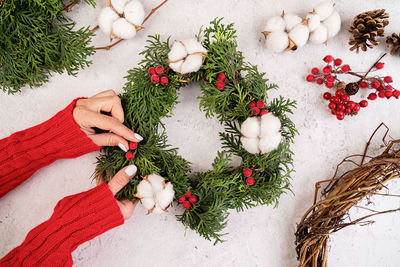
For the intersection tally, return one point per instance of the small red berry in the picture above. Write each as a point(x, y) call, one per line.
point(340, 107)
point(340, 117)
point(192, 199)
point(388, 79)
point(255, 111)
point(347, 111)
point(181, 199)
point(260, 104)
point(247, 172)
point(253, 104)
point(220, 85)
point(356, 107)
point(314, 70)
point(310, 78)
point(330, 78)
point(188, 193)
point(129, 155)
point(250, 181)
point(221, 77)
point(339, 113)
point(133, 145)
point(263, 112)
point(335, 99)
point(329, 85)
point(363, 84)
point(333, 112)
point(326, 70)
point(350, 104)
point(151, 71)
point(159, 70)
point(396, 93)
point(328, 58)
point(388, 88)
point(345, 98)
point(155, 78)
point(327, 95)
point(164, 80)
point(339, 92)
point(345, 68)
point(372, 96)
point(388, 94)
point(380, 88)
point(381, 94)
point(337, 62)
point(380, 65)
point(186, 205)
point(320, 81)
point(332, 105)
point(363, 103)
point(375, 84)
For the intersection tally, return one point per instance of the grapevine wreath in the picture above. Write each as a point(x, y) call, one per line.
point(256, 130)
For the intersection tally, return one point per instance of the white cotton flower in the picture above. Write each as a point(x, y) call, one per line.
point(277, 41)
point(324, 9)
point(134, 12)
point(333, 23)
point(186, 56)
point(299, 35)
point(273, 24)
point(106, 19)
point(291, 20)
point(319, 35)
point(123, 29)
point(155, 193)
point(261, 135)
point(313, 21)
point(119, 5)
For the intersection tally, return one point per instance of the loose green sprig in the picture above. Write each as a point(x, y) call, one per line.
point(222, 188)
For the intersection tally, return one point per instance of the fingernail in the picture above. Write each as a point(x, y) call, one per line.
point(122, 147)
point(138, 136)
point(131, 170)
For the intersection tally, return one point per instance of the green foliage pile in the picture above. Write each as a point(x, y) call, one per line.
point(222, 188)
point(37, 38)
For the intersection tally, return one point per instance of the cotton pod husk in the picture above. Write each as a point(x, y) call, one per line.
point(106, 19)
point(324, 10)
point(299, 35)
point(333, 23)
point(186, 56)
point(276, 23)
point(319, 35)
point(277, 41)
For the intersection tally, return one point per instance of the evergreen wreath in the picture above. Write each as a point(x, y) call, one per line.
point(151, 94)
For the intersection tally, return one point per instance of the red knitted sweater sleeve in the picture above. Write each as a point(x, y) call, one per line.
point(76, 219)
point(24, 152)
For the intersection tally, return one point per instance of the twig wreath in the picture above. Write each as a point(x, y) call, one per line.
point(235, 92)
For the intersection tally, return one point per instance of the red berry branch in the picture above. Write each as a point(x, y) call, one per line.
point(157, 75)
point(247, 174)
point(187, 200)
point(132, 146)
point(340, 102)
point(258, 107)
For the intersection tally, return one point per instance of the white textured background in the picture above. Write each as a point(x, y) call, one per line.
point(262, 236)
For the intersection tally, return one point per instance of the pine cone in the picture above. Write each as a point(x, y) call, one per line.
point(352, 88)
point(366, 27)
point(394, 43)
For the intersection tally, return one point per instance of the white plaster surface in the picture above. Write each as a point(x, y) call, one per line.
point(262, 236)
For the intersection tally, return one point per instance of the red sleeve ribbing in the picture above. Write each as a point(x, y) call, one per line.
point(76, 219)
point(24, 152)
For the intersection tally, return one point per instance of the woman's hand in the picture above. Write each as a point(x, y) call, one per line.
point(88, 113)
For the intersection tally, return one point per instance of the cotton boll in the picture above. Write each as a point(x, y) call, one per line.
point(148, 202)
point(106, 19)
point(177, 52)
point(158, 209)
point(276, 23)
point(123, 29)
point(176, 66)
point(250, 144)
point(165, 197)
point(332, 23)
point(251, 127)
point(270, 124)
point(299, 35)
point(119, 5)
point(319, 35)
point(157, 182)
point(134, 12)
point(144, 189)
point(291, 21)
point(277, 41)
point(192, 63)
point(193, 46)
point(313, 21)
point(267, 144)
point(324, 9)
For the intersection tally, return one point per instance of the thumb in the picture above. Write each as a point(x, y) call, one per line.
point(122, 178)
point(109, 139)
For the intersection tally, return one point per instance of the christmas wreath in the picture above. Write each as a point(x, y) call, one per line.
point(257, 130)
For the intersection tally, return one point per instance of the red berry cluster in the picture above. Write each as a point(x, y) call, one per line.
point(340, 104)
point(258, 107)
point(187, 199)
point(247, 174)
point(381, 85)
point(132, 146)
point(327, 74)
point(156, 75)
point(221, 81)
